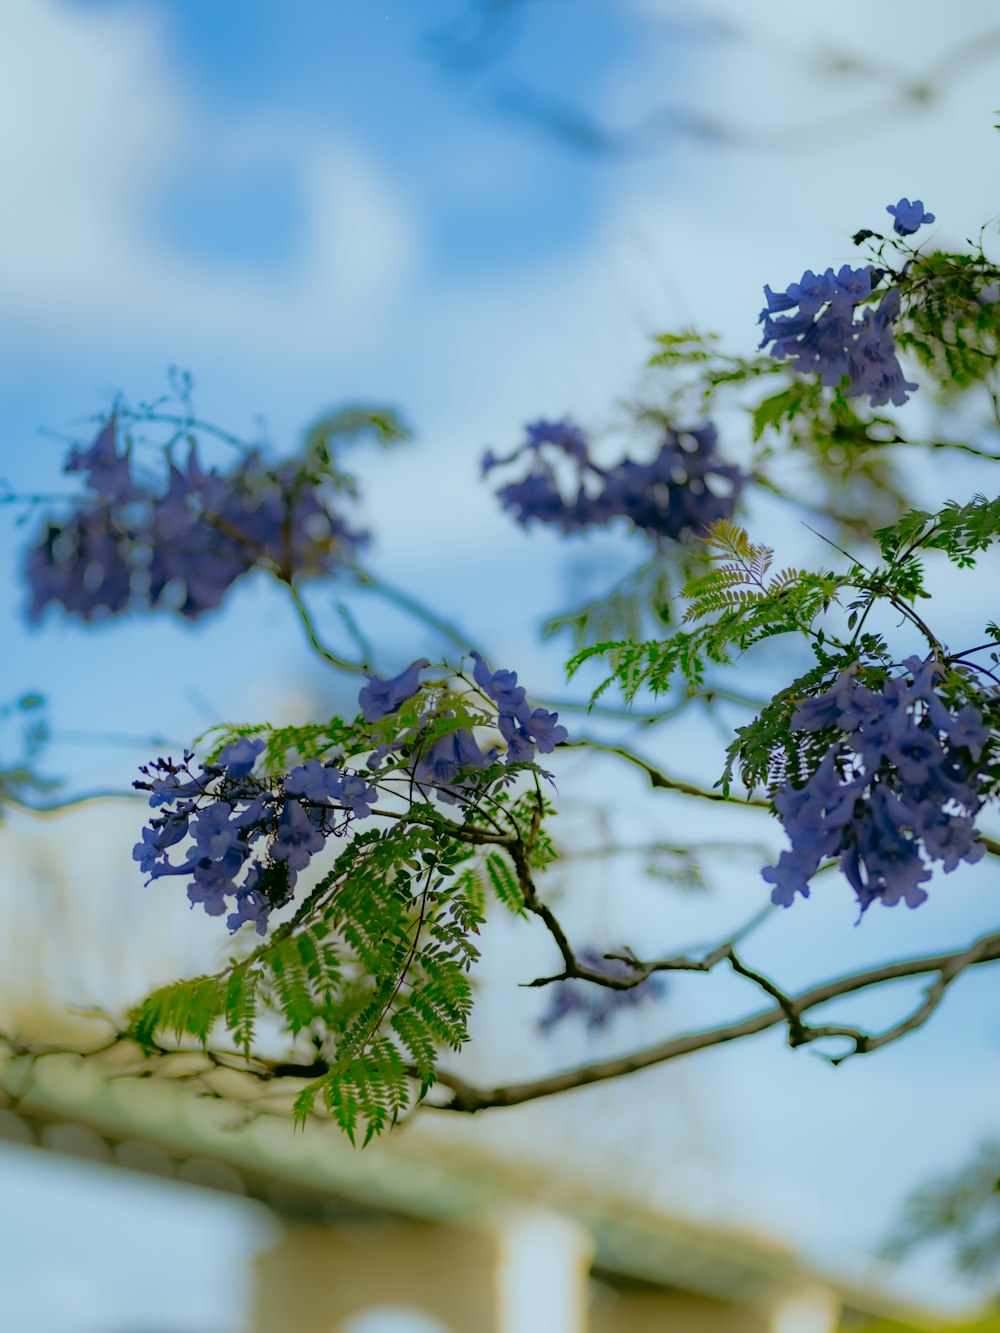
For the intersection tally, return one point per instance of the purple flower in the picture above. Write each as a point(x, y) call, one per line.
point(256, 817)
point(824, 337)
point(598, 1005)
point(381, 697)
point(215, 835)
point(520, 747)
point(791, 875)
point(968, 730)
point(82, 564)
point(542, 730)
point(211, 881)
point(851, 287)
point(315, 781)
point(107, 472)
point(446, 756)
point(812, 291)
point(251, 905)
point(182, 546)
point(298, 839)
point(564, 434)
point(538, 497)
point(816, 714)
point(882, 863)
point(239, 757)
point(156, 838)
point(500, 685)
point(908, 217)
point(915, 797)
point(878, 736)
point(684, 488)
point(914, 755)
point(356, 794)
point(166, 790)
point(874, 366)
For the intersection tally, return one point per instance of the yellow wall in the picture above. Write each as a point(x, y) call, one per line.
point(648, 1311)
point(315, 1278)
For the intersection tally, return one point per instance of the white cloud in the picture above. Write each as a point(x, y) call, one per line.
point(96, 121)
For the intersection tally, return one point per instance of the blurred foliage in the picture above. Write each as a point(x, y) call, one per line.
point(962, 1211)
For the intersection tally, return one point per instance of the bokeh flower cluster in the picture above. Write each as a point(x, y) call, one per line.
point(597, 1006)
point(180, 541)
point(683, 489)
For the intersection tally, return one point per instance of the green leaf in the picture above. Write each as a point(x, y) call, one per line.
point(773, 411)
point(505, 886)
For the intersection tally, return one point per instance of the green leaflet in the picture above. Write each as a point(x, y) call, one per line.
point(373, 969)
point(949, 329)
point(504, 884)
point(774, 411)
point(961, 531)
point(747, 606)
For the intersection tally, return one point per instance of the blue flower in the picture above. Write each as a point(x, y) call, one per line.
point(564, 434)
point(215, 835)
point(873, 364)
point(666, 497)
point(915, 754)
point(315, 781)
point(185, 544)
point(356, 794)
point(379, 698)
point(915, 796)
point(908, 217)
point(851, 286)
point(501, 686)
point(108, 472)
point(882, 863)
point(446, 756)
point(83, 564)
point(968, 730)
point(597, 1005)
point(810, 292)
point(154, 843)
point(824, 337)
point(298, 839)
point(239, 757)
point(251, 905)
point(211, 881)
point(541, 727)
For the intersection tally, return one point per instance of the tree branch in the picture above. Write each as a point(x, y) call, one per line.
point(468, 1098)
point(338, 663)
point(51, 808)
point(657, 778)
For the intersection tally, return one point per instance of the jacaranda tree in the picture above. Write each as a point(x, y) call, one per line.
point(352, 860)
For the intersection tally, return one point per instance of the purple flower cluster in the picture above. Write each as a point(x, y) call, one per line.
point(382, 697)
point(250, 836)
point(438, 765)
point(824, 336)
point(523, 728)
point(895, 790)
point(684, 489)
point(908, 217)
point(597, 1005)
point(183, 544)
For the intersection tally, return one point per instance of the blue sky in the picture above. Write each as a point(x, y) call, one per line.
point(302, 204)
point(383, 70)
